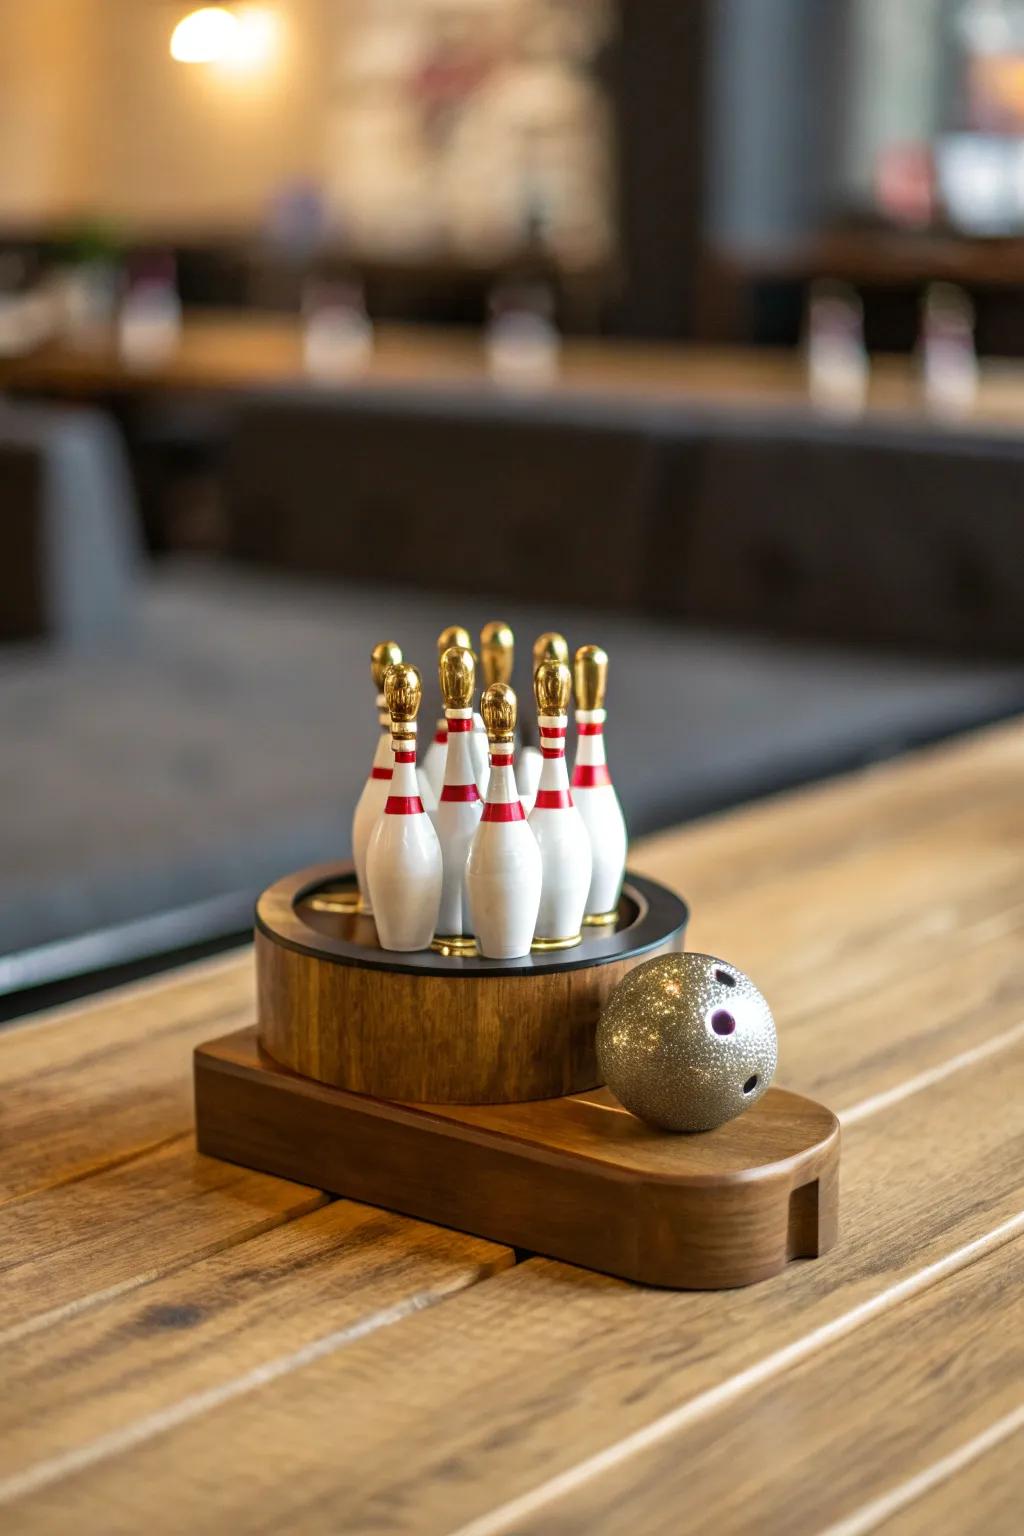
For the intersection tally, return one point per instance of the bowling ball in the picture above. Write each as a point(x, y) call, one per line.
point(686, 1042)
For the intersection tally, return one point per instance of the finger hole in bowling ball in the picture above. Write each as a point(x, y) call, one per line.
point(751, 1083)
point(724, 979)
point(722, 1022)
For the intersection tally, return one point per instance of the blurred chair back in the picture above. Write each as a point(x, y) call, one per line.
point(70, 530)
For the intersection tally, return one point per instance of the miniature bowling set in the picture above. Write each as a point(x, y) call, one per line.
point(434, 1035)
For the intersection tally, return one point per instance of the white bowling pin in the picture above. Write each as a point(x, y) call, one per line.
point(403, 860)
point(427, 792)
point(528, 771)
point(458, 811)
point(593, 790)
point(550, 646)
point(434, 758)
point(370, 805)
point(479, 755)
point(497, 658)
point(555, 821)
point(503, 873)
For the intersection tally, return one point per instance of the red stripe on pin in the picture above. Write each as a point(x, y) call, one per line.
point(380, 773)
point(441, 738)
point(590, 775)
point(552, 751)
point(405, 757)
point(552, 730)
point(510, 810)
point(553, 800)
point(403, 805)
point(501, 759)
point(589, 730)
point(460, 792)
point(460, 725)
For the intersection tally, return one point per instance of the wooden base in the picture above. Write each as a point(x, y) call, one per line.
point(576, 1178)
point(440, 1027)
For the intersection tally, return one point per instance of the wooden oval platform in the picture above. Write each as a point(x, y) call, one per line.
point(577, 1178)
point(441, 1029)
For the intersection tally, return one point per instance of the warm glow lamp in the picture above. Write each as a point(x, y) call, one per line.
point(242, 37)
point(204, 36)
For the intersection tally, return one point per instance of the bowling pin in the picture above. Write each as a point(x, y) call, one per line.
point(497, 657)
point(459, 807)
point(403, 860)
point(433, 759)
point(555, 821)
point(503, 873)
point(549, 646)
point(370, 804)
point(593, 791)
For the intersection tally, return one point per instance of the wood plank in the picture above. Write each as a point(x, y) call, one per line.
point(314, 1286)
point(88, 1086)
point(976, 1491)
point(522, 1379)
point(574, 1178)
point(74, 1245)
point(820, 825)
point(850, 1425)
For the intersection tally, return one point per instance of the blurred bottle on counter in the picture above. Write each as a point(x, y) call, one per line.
point(88, 281)
point(337, 332)
point(28, 310)
point(522, 342)
point(149, 321)
point(947, 354)
point(838, 368)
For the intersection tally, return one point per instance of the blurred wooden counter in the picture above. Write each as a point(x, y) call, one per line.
point(233, 352)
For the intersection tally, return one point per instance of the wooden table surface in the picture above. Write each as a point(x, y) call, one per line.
point(189, 1347)
point(230, 352)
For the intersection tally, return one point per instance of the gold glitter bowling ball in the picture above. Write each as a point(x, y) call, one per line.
point(686, 1042)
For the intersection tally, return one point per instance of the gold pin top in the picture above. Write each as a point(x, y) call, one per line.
point(497, 652)
point(552, 685)
point(498, 707)
point(402, 693)
point(550, 646)
point(590, 670)
point(457, 673)
point(386, 654)
point(453, 635)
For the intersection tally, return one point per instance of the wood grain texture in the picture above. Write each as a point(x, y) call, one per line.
point(846, 1427)
point(334, 1006)
point(896, 985)
point(74, 1244)
point(168, 1345)
point(576, 1178)
point(448, 1416)
point(982, 1498)
point(71, 1082)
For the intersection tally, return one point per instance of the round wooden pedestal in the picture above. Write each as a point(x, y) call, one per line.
point(441, 1029)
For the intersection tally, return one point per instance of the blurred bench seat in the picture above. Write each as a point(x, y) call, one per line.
point(767, 521)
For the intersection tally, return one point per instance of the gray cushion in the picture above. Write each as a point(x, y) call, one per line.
point(68, 525)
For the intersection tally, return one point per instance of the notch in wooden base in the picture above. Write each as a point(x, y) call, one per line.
point(576, 1178)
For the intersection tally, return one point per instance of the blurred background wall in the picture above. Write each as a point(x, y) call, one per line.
point(692, 327)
